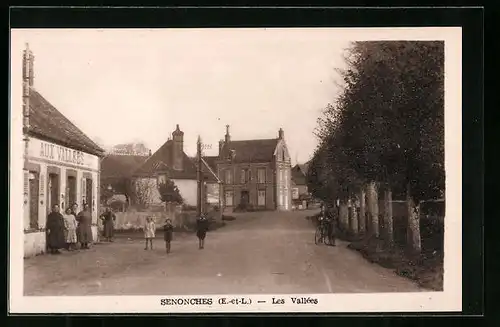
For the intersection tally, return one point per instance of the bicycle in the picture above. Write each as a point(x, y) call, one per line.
point(321, 234)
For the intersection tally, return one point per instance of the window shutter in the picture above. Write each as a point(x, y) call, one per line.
point(84, 190)
point(26, 182)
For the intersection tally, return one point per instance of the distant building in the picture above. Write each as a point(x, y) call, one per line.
point(299, 183)
point(170, 161)
point(255, 173)
point(117, 171)
point(61, 164)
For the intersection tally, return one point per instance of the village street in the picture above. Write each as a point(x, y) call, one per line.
point(267, 252)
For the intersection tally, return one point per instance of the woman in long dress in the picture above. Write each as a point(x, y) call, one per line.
point(84, 234)
point(108, 218)
point(55, 230)
point(70, 225)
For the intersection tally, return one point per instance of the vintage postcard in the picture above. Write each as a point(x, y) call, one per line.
point(235, 170)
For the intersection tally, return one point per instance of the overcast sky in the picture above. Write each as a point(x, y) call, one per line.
point(123, 86)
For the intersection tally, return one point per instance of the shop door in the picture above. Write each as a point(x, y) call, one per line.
point(71, 191)
point(33, 185)
point(88, 193)
point(53, 191)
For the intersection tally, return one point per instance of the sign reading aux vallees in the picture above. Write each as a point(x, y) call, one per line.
point(59, 154)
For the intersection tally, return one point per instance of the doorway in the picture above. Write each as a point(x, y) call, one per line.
point(70, 191)
point(245, 197)
point(52, 191)
point(33, 200)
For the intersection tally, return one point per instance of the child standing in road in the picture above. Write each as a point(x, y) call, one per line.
point(149, 232)
point(202, 226)
point(168, 231)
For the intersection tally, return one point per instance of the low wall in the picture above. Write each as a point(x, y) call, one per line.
point(34, 244)
point(136, 220)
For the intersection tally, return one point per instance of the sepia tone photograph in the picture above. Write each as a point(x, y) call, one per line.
point(188, 162)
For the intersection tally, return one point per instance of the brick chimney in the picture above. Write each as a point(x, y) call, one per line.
point(228, 137)
point(281, 134)
point(177, 149)
point(28, 60)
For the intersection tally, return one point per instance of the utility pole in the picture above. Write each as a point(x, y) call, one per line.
point(199, 178)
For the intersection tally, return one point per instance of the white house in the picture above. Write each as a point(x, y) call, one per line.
point(61, 164)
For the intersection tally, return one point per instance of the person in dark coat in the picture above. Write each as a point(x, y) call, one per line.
point(84, 219)
point(168, 229)
point(55, 230)
point(202, 226)
point(108, 218)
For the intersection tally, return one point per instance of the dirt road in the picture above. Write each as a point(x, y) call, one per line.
point(261, 252)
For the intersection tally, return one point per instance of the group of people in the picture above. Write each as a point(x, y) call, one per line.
point(65, 231)
point(168, 228)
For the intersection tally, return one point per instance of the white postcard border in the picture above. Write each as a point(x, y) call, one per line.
point(448, 300)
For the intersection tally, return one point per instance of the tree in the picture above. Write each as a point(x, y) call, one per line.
point(143, 189)
point(386, 129)
point(169, 193)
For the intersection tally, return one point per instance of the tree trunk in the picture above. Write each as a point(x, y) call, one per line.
point(388, 220)
point(362, 211)
point(353, 218)
point(413, 230)
point(344, 216)
point(372, 199)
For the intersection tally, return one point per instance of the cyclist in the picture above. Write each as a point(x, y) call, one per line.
point(324, 222)
point(331, 228)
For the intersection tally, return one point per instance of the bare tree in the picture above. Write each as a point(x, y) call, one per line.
point(144, 191)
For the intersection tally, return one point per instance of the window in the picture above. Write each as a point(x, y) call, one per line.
point(283, 155)
point(227, 176)
point(261, 199)
point(243, 176)
point(229, 198)
point(261, 175)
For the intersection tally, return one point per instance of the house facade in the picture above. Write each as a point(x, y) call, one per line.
point(255, 173)
point(61, 164)
point(170, 161)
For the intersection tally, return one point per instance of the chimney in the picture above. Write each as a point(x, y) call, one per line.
point(27, 83)
point(177, 149)
point(228, 137)
point(281, 134)
point(150, 153)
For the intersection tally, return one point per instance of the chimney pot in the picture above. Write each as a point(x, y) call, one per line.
point(228, 137)
point(281, 134)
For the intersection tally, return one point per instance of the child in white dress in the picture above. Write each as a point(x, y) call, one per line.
point(149, 232)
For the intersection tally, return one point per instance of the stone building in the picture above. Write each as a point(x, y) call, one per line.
point(61, 164)
point(255, 173)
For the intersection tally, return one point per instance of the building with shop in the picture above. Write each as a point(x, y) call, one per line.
point(61, 164)
point(255, 173)
point(170, 161)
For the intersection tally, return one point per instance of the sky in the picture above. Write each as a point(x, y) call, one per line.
point(121, 86)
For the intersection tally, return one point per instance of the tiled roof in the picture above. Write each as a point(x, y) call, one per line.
point(251, 151)
point(115, 166)
point(160, 162)
point(48, 123)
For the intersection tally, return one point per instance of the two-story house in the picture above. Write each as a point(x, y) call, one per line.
point(255, 173)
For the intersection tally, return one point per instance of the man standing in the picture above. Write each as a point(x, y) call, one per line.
point(84, 219)
point(55, 230)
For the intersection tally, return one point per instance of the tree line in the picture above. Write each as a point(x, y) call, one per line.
point(383, 135)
